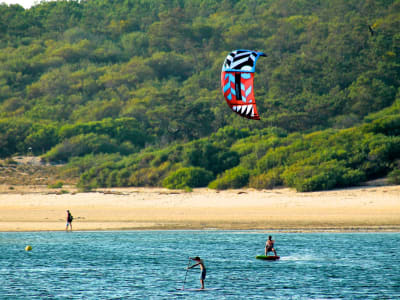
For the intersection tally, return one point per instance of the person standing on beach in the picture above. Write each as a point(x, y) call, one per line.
point(200, 263)
point(69, 220)
point(269, 246)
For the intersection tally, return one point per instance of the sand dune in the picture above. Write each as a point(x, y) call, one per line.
point(33, 208)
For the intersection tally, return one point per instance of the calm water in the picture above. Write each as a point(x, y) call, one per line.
point(152, 265)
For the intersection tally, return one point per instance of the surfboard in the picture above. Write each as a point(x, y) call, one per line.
point(268, 257)
point(197, 290)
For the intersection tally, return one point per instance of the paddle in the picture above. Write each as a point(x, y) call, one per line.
point(187, 269)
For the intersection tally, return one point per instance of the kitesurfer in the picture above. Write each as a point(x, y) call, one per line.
point(69, 220)
point(269, 246)
point(200, 263)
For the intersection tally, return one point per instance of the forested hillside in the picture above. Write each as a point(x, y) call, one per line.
point(127, 92)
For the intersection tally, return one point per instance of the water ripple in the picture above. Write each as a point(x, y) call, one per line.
point(152, 265)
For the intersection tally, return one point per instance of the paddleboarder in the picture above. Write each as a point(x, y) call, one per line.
point(200, 263)
point(69, 220)
point(269, 246)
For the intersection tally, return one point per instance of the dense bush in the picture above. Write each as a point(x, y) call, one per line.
point(13, 133)
point(84, 144)
point(123, 129)
point(269, 180)
point(152, 176)
point(205, 154)
point(394, 176)
point(188, 177)
point(128, 92)
point(325, 176)
point(235, 178)
point(390, 125)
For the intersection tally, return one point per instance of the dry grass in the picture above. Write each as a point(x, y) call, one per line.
point(29, 170)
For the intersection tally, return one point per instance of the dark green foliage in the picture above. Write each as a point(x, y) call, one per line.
point(83, 144)
point(78, 165)
point(389, 125)
point(318, 161)
point(128, 92)
point(12, 136)
point(228, 135)
point(394, 176)
point(188, 177)
point(213, 158)
point(324, 176)
point(325, 160)
point(124, 129)
point(383, 151)
point(25, 136)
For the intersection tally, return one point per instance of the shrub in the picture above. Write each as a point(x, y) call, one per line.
point(208, 156)
point(188, 177)
point(325, 176)
point(151, 176)
point(228, 135)
point(389, 125)
point(57, 185)
point(96, 176)
point(140, 178)
point(273, 158)
point(122, 129)
point(267, 180)
point(233, 178)
point(394, 176)
point(84, 144)
point(382, 150)
point(352, 177)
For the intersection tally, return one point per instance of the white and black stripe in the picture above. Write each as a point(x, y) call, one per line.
point(243, 60)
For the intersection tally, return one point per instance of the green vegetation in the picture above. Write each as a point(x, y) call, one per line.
point(394, 176)
point(232, 178)
point(127, 93)
point(57, 185)
point(188, 177)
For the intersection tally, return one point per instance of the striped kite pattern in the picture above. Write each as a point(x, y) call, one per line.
point(240, 95)
point(237, 82)
point(241, 61)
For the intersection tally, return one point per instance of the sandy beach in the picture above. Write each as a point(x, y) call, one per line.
point(37, 208)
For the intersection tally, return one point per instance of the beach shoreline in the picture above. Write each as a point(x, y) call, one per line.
point(360, 209)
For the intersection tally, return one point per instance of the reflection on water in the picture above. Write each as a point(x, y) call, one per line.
point(152, 265)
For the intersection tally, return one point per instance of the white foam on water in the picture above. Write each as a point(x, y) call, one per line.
point(298, 257)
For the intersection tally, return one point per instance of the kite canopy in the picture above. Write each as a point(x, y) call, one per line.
point(237, 82)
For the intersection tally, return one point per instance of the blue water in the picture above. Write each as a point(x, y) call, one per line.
point(152, 265)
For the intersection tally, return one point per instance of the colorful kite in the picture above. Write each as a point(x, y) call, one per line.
point(237, 82)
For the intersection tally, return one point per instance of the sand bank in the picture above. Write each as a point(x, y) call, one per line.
point(35, 208)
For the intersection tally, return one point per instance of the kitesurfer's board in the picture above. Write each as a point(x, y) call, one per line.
point(267, 257)
point(196, 290)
